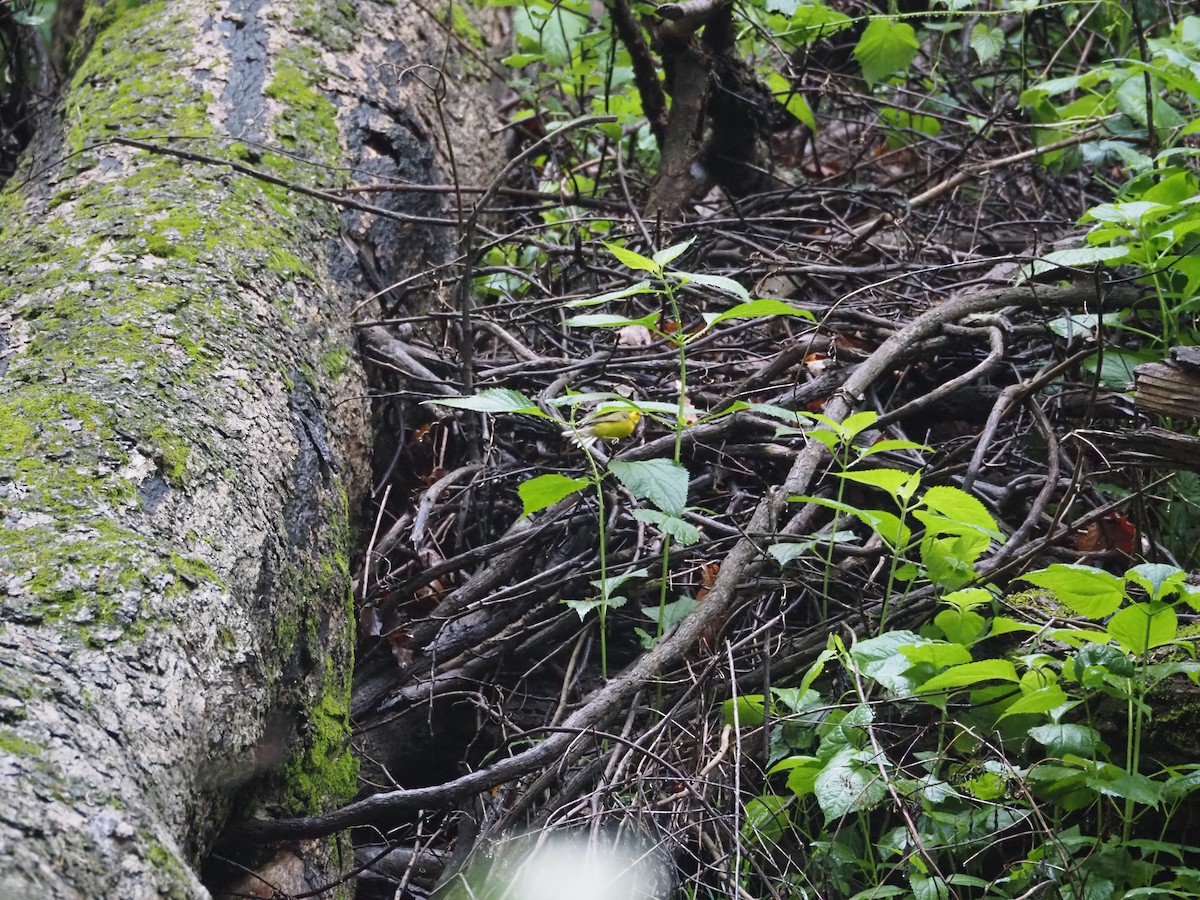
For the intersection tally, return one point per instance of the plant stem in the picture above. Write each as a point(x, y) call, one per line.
point(602, 609)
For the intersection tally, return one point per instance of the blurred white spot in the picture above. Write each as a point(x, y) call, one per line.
point(574, 868)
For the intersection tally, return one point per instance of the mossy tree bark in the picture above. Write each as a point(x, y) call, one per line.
point(175, 492)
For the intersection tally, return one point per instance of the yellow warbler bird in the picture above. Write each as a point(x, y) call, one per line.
point(609, 425)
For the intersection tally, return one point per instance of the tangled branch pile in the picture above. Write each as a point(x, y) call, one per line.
point(471, 660)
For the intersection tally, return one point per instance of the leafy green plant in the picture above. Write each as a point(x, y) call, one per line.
point(1152, 223)
point(953, 768)
point(660, 483)
point(955, 531)
point(668, 285)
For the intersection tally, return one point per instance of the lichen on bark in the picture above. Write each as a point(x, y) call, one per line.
point(169, 486)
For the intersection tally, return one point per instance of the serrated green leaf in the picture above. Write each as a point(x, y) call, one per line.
point(672, 613)
point(849, 782)
point(886, 46)
point(900, 484)
point(1087, 591)
point(961, 626)
point(958, 506)
point(1140, 627)
point(519, 60)
point(682, 531)
point(766, 820)
point(661, 481)
point(1075, 257)
point(583, 607)
point(938, 654)
point(783, 553)
point(493, 400)
point(988, 43)
point(1159, 580)
point(614, 582)
point(894, 444)
point(545, 490)
point(1113, 781)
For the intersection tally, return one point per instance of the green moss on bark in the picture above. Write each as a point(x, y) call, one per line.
point(17, 746)
point(324, 771)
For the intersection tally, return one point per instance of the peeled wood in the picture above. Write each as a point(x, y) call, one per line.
point(1170, 388)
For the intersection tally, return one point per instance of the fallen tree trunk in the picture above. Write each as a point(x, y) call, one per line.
point(181, 448)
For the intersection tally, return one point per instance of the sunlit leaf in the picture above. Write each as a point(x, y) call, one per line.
point(661, 481)
point(493, 400)
point(546, 490)
point(886, 46)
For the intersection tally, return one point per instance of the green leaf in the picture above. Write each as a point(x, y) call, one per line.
point(641, 287)
point(959, 506)
point(1076, 257)
point(968, 599)
point(988, 43)
point(802, 779)
point(1143, 626)
point(1084, 325)
point(852, 426)
point(614, 582)
point(801, 699)
point(886, 46)
point(811, 21)
point(1088, 591)
point(784, 553)
point(681, 530)
point(632, 260)
point(901, 485)
point(672, 613)
point(519, 60)
point(961, 626)
point(1113, 781)
point(546, 490)
point(717, 282)
point(894, 444)
point(661, 481)
point(970, 674)
point(793, 101)
point(583, 607)
point(1042, 700)
point(1118, 365)
point(1060, 739)
point(938, 654)
point(884, 659)
point(885, 524)
point(493, 400)
point(1159, 580)
point(1002, 625)
point(849, 782)
point(747, 711)
point(880, 892)
point(766, 820)
point(667, 256)
point(610, 320)
point(929, 887)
